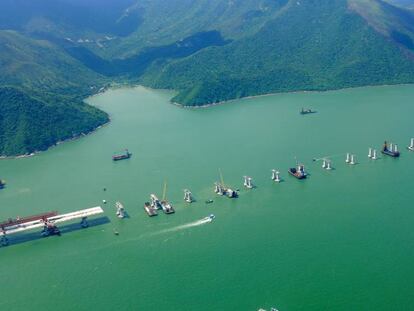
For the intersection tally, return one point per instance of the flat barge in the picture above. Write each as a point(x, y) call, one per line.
point(298, 171)
point(150, 210)
point(390, 150)
point(120, 157)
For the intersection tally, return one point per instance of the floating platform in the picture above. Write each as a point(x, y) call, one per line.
point(150, 210)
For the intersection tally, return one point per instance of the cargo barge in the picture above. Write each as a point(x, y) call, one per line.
point(390, 150)
point(298, 171)
point(150, 210)
point(124, 156)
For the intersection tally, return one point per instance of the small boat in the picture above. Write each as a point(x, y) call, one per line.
point(298, 171)
point(124, 156)
point(2, 184)
point(116, 232)
point(307, 111)
point(209, 218)
point(390, 150)
point(209, 201)
point(150, 210)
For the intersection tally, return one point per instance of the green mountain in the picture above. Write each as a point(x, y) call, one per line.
point(309, 45)
point(31, 123)
point(41, 95)
point(56, 52)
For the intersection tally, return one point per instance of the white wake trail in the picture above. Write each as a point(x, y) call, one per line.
point(185, 226)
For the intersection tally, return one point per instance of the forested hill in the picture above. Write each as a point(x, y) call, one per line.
point(311, 45)
point(54, 53)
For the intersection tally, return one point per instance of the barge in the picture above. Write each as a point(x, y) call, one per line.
point(150, 210)
point(299, 171)
point(119, 157)
point(390, 150)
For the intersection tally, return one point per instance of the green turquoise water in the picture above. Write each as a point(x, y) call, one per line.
point(340, 240)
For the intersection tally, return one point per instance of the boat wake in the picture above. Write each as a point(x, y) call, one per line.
point(197, 223)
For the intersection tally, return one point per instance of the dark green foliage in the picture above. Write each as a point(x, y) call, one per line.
point(314, 45)
point(28, 124)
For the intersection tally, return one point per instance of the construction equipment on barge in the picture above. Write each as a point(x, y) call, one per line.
point(390, 150)
point(221, 189)
point(150, 210)
point(47, 221)
point(165, 205)
point(188, 196)
point(298, 172)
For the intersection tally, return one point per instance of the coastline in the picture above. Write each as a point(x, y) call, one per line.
point(204, 106)
point(23, 156)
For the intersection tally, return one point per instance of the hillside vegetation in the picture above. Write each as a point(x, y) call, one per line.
point(53, 53)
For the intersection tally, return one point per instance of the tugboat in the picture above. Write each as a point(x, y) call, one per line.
point(390, 150)
point(298, 171)
point(124, 156)
point(2, 184)
point(150, 210)
point(307, 111)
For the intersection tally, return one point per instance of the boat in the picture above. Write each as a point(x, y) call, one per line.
point(124, 156)
point(298, 171)
point(209, 218)
point(120, 210)
point(390, 150)
point(209, 201)
point(2, 184)
point(307, 111)
point(165, 205)
point(150, 210)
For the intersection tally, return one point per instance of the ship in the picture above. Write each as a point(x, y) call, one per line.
point(2, 184)
point(307, 111)
point(298, 171)
point(150, 210)
point(124, 156)
point(209, 218)
point(390, 150)
point(166, 205)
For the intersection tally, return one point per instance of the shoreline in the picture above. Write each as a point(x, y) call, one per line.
point(24, 156)
point(204, 106)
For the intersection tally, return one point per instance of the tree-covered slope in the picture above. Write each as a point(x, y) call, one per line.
point(29, 124)
point(41, 88)
point(311, 45)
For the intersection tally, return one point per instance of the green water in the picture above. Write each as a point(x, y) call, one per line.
point(340, 240)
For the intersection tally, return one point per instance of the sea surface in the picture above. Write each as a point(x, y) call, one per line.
point(340, 240)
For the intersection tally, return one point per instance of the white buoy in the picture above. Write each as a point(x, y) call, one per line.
point(328, 165)
point(324, 163)
point(348, 158)
point(277, 178)
point(370, 153)
point(411, 146)
point(353, 160)
point(374, 154)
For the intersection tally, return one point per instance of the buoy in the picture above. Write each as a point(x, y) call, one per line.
point(347, 160)
point(370, 153)
point(353, 160)
point(374, 155)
